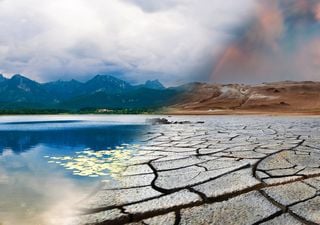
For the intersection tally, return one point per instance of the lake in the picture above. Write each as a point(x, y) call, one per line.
point(49, 163)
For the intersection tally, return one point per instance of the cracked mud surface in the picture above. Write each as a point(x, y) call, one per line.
point(229, 170)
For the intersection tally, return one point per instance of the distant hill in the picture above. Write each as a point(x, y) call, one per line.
point(62, 90)
point(154, 84)
point(133, 99)
point(106, 84)
point(20, 91)
point(278, 97)
point(2, 78)
point(101, 92)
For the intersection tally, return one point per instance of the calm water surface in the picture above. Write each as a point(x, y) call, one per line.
point(49, 163)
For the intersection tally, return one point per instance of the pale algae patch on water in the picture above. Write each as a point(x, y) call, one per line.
point(91, 163)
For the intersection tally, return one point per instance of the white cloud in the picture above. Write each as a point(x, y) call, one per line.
point(174, 39)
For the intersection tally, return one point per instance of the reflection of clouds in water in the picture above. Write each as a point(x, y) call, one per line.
point(96, 163)
point(7, 152)
point(35, 192)
point(32, 194)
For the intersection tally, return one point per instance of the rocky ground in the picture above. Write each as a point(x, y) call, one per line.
point(229, 170)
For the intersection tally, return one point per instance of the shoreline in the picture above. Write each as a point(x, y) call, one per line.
point(183, 113)
point(242, 113)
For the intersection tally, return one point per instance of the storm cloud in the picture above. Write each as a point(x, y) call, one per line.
point(175, 41)
point(281, 42)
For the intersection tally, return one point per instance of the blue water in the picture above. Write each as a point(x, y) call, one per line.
point(30, 186)
point(67, 139)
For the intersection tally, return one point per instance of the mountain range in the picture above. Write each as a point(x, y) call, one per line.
point(102, 91)
point(106, 93)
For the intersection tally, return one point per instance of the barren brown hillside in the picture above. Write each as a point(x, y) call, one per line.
point(280, 97)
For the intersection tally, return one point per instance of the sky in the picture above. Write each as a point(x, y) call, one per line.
point(281, 42)
point(175, 41)
point(172, 40)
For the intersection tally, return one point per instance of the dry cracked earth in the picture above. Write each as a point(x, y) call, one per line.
point(229, 170)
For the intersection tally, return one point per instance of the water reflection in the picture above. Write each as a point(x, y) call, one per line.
point(80, 137)
point(33, 191)
point(96, 163)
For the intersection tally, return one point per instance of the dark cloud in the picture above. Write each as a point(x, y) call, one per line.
point(282, 42)
point(154, 5)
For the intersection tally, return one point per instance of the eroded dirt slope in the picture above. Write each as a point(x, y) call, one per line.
point(267, 97)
